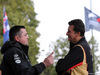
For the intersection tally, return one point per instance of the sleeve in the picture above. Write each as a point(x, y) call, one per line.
point(20, 65)
point(74, 57)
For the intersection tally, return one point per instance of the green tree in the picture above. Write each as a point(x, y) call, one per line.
point(96, 58)
point(21, 12)
point(60, 48)
point(49, 71)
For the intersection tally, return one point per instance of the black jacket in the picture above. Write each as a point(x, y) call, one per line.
point(74, 57)
point(15, 60)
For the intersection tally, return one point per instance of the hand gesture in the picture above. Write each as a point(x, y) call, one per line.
point(49, 60)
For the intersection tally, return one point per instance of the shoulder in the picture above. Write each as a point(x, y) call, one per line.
point(13, 55)
point(77, 50)
point(12, 51)
point(77, 47)
point(84, 44)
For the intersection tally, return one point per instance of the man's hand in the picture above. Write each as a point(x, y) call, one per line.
point(0, 72)
point(49, 60)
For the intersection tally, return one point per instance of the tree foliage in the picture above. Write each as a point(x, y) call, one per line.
point(96, 58)
point(49, 71)
point(60, 48)
point(21, 12)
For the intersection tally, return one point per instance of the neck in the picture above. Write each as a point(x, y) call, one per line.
point(77, 39)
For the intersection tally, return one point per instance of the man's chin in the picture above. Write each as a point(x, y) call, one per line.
point(68, 39)
point(26, 44)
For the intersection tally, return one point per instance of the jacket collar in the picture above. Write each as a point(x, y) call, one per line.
point(72, 44)
point(24, 48)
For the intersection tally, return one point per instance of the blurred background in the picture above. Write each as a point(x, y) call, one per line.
point(46, 22)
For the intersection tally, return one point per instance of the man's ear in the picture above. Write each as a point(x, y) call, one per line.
point(17, 38)
point(78, 34)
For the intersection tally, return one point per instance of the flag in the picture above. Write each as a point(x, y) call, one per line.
point(92, 21)
point(6, 26)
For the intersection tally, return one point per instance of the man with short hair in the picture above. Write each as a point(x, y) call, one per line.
point(79, 59)
point(15, 55)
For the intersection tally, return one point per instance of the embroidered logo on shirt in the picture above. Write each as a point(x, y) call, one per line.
point(17, 59)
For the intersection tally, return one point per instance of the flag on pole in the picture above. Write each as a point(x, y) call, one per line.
point(6, 26)
point(92, 21)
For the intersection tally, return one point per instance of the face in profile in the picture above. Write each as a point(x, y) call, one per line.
point(71, 34)
point(23, 38)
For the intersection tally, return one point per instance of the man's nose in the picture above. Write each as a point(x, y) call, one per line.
point(66, 33)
